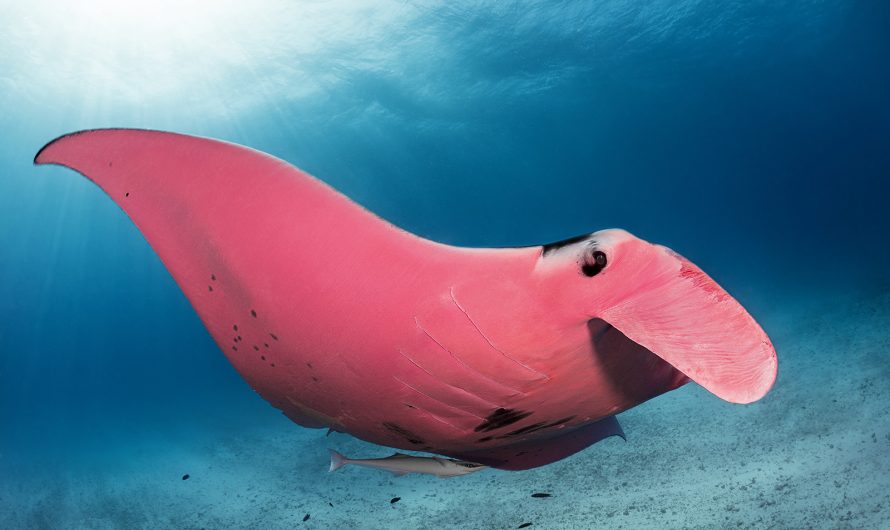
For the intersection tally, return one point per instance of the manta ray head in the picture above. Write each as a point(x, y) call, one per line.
point(663, 302)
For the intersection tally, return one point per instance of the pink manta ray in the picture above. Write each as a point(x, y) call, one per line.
point(512, 358)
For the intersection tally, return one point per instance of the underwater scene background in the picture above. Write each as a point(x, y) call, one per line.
point(753, 137)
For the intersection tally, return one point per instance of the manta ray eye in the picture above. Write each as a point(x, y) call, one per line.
point(594, 263)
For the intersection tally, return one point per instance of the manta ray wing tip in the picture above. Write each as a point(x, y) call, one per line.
point(42, 158)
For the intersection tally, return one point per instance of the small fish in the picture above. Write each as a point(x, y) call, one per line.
point(185, 477)
point(541, 495)
point(400, 464)
point(305, 517)
point(395, 500)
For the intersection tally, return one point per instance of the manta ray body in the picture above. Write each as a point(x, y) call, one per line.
point(509, 357)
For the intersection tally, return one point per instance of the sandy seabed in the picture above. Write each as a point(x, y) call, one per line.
point(815, 453)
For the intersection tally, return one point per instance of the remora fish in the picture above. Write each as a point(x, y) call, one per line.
point(400, 464)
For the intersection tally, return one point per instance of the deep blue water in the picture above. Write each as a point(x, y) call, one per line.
point(752, 137)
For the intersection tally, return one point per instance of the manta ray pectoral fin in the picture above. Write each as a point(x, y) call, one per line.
point(540, 452)
point(683, 316)
point(250, 240)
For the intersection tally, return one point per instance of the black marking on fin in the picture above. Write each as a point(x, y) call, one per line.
point(404, 433)
point(527, 429)
point(501, 418)
point(537, 427)
point(556, 245)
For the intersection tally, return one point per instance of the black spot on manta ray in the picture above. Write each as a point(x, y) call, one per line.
point(404, 433)
point(127, 194)
point(210, 288)
point(213, 277)
point(525, 430)
point(556, 245)
point(253, 313)
point(255, 347)
point(501, 418)
point(537, 427)
point(274, 337)
point(235, 327)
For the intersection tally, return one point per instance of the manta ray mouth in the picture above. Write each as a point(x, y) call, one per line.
point(630, 370)
point(685, 318)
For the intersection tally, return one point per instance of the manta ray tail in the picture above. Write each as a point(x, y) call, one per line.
point(337, 460)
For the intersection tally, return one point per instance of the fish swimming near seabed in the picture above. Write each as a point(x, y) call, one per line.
point(401, 464)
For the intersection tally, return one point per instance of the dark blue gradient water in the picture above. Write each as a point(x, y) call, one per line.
point(752, 137)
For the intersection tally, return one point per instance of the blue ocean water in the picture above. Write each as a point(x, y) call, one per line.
point(752, 137)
